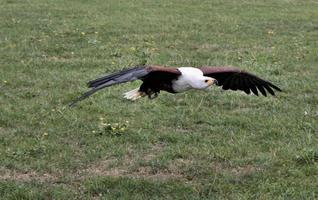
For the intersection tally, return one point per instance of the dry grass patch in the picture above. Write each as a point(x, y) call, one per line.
point(237, 171)
point(26, 176)
point(129, 166)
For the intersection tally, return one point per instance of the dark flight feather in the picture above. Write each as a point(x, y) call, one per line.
point(127, 75)
point(236, 79)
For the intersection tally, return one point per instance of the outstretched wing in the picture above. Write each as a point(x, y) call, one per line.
point(236, 79)
point(126, 75)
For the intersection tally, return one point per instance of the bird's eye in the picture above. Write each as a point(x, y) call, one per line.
point(206, 80)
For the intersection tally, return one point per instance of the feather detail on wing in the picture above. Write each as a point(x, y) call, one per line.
point(235, 79)
point(126, 75)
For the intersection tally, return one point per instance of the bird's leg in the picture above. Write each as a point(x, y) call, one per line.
point(153, 95)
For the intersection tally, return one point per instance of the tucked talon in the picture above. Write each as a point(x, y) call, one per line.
point(154, 95)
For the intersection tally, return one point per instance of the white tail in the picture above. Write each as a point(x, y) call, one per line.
point(134, 94)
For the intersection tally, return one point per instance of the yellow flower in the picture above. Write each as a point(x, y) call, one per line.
point(5, 81)
point(101, 118)
point(93, 131)
point(270, 32)
point(132, 49)
point(83, 33)
point(96, 32)
point(122, 129)
point(113, 128)
point(45, 134)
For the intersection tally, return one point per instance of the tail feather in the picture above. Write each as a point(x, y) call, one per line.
point(133, 94)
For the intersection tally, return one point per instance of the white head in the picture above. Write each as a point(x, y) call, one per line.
point(202, 82)
point(195, 78)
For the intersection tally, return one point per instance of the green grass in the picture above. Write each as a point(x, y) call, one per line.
point(196, 145)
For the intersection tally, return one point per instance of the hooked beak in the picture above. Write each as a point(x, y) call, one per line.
point(212, 82)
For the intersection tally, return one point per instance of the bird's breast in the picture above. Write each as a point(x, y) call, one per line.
point(181, 84)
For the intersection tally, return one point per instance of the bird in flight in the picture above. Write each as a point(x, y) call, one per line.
point(157, 78)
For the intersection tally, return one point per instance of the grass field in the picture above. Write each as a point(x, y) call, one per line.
point(196, 145)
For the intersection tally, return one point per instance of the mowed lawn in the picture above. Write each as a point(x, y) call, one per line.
point(196, 145)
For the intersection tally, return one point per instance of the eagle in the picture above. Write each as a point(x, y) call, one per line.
point(174, 80)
